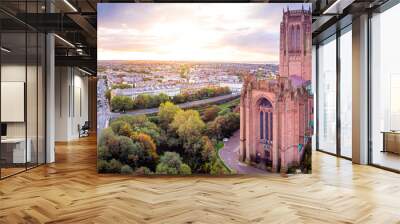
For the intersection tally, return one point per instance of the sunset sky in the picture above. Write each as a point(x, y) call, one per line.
point(190, 32)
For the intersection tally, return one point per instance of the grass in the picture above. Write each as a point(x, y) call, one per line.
point(218, 146)
point(229, 104)
point(223, 106)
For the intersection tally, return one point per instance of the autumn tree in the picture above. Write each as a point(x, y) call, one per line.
point(121, 128)
point(188, 125)
point(146, 143)
point(210, 113)
point(166, 114)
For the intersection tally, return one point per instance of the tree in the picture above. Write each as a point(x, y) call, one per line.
point(121, 128)
point(218, 168)
point(113, 166)
point(108, 95)
point(142, 101)
point(223, 126)
point(126, 169)
point(208, 149)
point(127, 149)
point(121, 86)
point(210, 113)
point(185, 169)
point(121, 103)
point(109, 144)
point(184, 71)
point(171, 164)
point(162, 98)
point(188, 125)
point(179, 98)
point(141, 123)
point(147, 143)
point(166, 114)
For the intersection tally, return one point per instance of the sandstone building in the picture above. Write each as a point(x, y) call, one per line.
point(276, 114)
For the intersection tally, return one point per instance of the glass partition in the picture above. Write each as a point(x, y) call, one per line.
point(327, 95)
point(22, 77)
point(385, 89)
point(346, 93)
point(13, 86)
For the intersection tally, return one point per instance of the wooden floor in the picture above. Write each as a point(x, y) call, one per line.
point(70, 191)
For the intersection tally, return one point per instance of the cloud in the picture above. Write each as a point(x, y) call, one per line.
point(228, 31)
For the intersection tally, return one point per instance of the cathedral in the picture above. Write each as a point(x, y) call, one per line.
point(276, 113)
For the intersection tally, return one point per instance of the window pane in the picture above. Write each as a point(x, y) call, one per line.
point(345, 94)
point(13, 86)
point(385, 84)
point(327, 96)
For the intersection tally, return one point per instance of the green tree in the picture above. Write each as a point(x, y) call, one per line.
point(184, 71)
point(188, 125)
point(223, 126)
point(121, 128)
point(108, 95)
point(121, 103)
point(126, 169)
point(185, 169)
point(121, 86)
point(171, 164)
point(142, 101)
point(162, 98)
point(179, 98)
point(166, 114)
point(218, 168)
point(109, 144)
point(114, 166)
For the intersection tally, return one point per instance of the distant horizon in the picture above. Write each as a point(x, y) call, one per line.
point(191, 61)
point(200, 32)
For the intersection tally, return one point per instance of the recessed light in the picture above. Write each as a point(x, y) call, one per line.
point(5, 50)
point(70, 5)
point(64, 40)
point(86, 72)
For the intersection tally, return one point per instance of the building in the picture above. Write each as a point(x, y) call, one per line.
point(169, 90)
point(276, 114)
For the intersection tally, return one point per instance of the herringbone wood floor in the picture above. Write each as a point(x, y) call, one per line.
point(70, 191)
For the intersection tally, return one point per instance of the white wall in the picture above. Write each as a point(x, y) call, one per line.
point(33, 126)
point(71, 102)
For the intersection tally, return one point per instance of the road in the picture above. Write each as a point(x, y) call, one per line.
point(103, 109)
point(182, 105)
point(230, 155)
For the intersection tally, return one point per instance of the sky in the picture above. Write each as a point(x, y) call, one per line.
point(227, 32)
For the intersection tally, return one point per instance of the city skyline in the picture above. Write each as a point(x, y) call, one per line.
point(235, 33)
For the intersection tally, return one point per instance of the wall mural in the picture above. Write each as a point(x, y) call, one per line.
point(204, 88)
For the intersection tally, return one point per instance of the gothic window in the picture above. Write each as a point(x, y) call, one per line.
point(305, 43)
point(271, 127)
point(266, 126)
point(265, 103)
point(291, 35)
point(298, 38)
point(261, 125)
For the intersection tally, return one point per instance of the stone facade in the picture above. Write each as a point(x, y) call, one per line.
point(276, 114)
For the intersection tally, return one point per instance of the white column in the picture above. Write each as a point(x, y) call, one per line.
point(50, 99)
point(360, 90)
